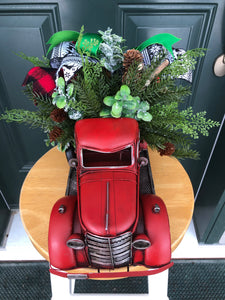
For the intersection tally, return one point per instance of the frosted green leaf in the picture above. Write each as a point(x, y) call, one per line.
point(54, 94)
point(132, 105)
point(124, 90)
point(109, 100)
point(74, 114)
point(115, 116)
point(144, 106)
point(61, 101)
point(116, 110)
point(137, 98)
point(118, 96)
point(61, 83)
point(145, 116)
point(70, 89)
point(130, 98)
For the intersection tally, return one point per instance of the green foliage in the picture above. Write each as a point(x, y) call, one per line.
point(169, 124)
point(165, 91)
point(186, 152)
point(37, 62)
point(195, 124)
point(156, 106)
point(183, 63)
point(33, 119)
point(63, 97)
point(111, 56)
point(137, 77)
point(124, 105)
point(66, 139)
point(157, 134)
point(44, 101)
point(83, 97)
point(164, 94)
point(90, 87)
point(40, 118)
point(93, 83)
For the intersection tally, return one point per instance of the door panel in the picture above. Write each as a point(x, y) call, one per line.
point(189, 21)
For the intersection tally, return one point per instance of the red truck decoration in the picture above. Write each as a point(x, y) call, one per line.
point(113, 220)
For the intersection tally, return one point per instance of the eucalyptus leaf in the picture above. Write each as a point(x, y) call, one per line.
point(144, 105)
point(124, 90)
point(70, 89)
point(125, 105)
point(140, 114)
point(130, 98)
point(54, 94)
point(131, 105)
point(61, 83)
point(145, 116)
point(137, 98)
point(109, 100)
point(115, 116)
point(118, 96)
point(60, 101)
point(116, 109)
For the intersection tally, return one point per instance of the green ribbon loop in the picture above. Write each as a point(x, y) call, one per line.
point(89, 43)
point(164, 39)
point(62, 36)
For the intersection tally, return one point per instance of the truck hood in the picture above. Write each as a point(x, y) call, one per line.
point(108, 202)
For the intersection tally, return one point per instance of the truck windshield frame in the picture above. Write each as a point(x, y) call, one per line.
point(117, 159)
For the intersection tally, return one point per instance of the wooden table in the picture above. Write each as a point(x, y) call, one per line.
point(47, 180)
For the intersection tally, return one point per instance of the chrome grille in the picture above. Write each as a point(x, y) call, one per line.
point(109, 252)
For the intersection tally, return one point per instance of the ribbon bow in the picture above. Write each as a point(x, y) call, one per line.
point(164, 39)
point(90, 42)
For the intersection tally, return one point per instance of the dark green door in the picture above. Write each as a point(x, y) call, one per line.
point(209, 215)
point(26, 26)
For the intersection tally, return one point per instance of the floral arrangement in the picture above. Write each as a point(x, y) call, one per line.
point(92, 75)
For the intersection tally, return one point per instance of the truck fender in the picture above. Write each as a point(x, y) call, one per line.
point(156, 223)
point(60, 229)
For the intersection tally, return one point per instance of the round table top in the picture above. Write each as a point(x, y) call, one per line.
point(47, 180)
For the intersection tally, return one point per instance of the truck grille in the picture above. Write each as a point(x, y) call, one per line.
point(109, 252)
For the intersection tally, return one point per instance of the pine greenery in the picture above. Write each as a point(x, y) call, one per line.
point(93, 83)
point(33, 119)
point(37, 62)
point(169, 123)
point(184, 63)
